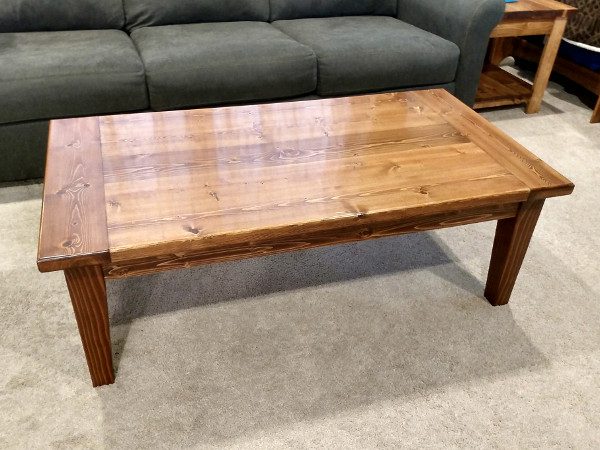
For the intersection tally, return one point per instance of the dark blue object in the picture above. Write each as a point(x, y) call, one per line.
point(579, 55)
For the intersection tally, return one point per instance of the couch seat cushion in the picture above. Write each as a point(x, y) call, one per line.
point(212, 63)
point(372, 53)
point(69, 73)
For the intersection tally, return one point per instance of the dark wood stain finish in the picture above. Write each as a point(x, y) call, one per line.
point(510, 245)
point(136, 194)
point(363, 228)
point(73, 226)
point(88, 296)
point(542, 180)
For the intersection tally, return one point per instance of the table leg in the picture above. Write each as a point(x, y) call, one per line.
point(540, 83)
point(510, 245)
point(88, 295)
point(499, 49)
point(596, 113)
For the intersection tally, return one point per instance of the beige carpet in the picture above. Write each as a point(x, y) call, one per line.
point(387, 343)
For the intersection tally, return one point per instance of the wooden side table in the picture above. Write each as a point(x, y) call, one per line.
point(579, 74)
point(497, 87)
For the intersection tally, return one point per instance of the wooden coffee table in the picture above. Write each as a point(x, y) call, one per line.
point(140, 193)
point(498, 87)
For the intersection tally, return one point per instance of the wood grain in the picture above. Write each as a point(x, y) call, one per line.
point(189, 181)
point(542, 180)
point(135, 194)
point(211, 178)
point(182, 182)
point(497, 87)
point(361, 228)
point(537, 9)
point(510, 246)
point(88, 295)
point(73, 225)
point(517, 28)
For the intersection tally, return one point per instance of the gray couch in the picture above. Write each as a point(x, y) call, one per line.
point(63, 58)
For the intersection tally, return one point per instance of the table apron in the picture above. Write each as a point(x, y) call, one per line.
point(363, 229)
point(523, 28)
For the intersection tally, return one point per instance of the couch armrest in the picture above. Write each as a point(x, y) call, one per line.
point(467, 23)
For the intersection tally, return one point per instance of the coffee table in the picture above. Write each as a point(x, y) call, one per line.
point(139, 193)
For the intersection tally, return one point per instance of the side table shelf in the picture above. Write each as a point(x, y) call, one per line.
point(498, 87)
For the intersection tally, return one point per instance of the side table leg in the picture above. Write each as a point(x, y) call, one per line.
point(596, 114)
point(88, 296)
point(540, 83)
point(510, 245)
point(499, 49)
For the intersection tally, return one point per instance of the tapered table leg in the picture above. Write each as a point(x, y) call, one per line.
point(510, 245)
point(88, 295)
point(596, 114)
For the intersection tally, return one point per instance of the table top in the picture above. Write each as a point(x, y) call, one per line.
point(125, 187)
point(537, 9)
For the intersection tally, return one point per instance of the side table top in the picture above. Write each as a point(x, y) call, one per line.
point(126, 187)
point(537, 9)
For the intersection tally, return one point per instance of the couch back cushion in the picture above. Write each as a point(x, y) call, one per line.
point(58, 15)
point(144, 13)
point(300, 9)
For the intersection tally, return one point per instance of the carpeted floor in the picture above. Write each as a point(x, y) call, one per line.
point(384, 343)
